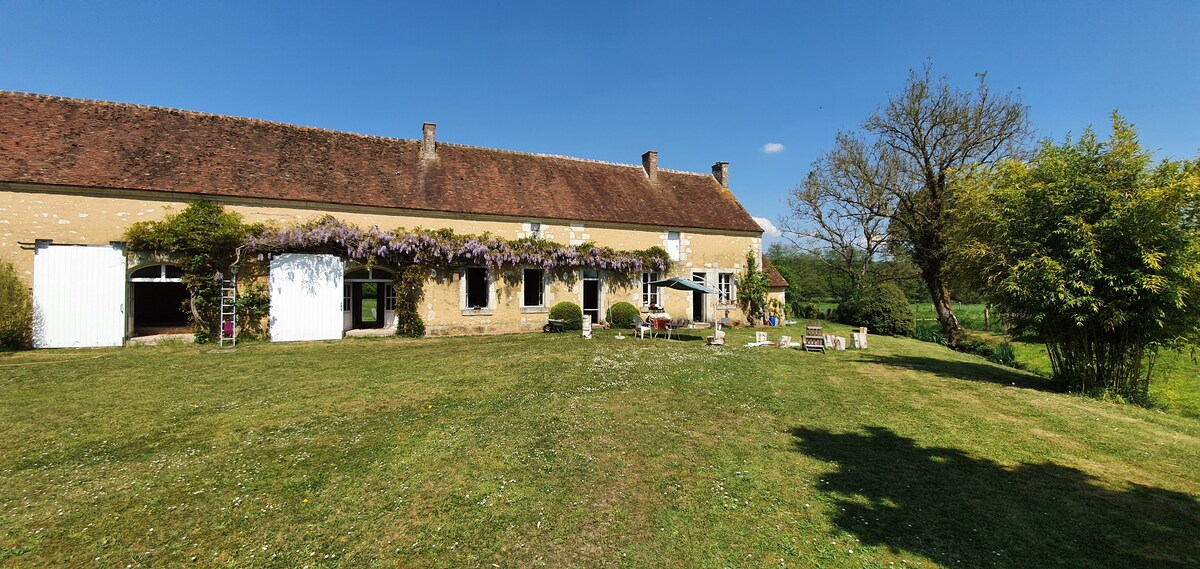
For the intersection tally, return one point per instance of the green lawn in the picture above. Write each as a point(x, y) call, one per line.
point(550, 450)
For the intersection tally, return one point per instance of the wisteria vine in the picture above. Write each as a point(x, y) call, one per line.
point(442, 248)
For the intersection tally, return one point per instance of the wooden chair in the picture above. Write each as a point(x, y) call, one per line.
point(814, 338)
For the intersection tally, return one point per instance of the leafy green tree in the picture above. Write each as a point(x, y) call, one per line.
point(1090, 246)
point(752, 290)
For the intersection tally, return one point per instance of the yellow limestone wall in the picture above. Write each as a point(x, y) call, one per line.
point(74, 216)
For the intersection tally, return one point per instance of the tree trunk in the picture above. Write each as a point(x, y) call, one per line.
point(939, 291)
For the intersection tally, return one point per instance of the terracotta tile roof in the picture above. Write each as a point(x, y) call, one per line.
point(74, 142)
point(774, 279)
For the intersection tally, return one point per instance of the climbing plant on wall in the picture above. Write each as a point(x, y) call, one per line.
point(442, 248)
point(752, 291)
point(203, 239)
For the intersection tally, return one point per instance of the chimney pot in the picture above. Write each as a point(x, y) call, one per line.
point(429, 141)
point(650, 165)
point(721, 173)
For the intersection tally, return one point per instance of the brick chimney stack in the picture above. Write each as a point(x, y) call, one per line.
point(650, 165)
point(721, 173)
point(428, 142)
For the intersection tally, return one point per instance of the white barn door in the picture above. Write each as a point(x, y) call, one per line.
point(306, 297)
point(78, 296)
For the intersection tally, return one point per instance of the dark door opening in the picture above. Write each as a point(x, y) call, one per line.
point(159, 308)
point(366, 304)
point(698, 300)
point(591, 298)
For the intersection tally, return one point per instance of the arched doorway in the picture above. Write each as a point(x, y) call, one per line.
point(159, 300)
point(368, 299)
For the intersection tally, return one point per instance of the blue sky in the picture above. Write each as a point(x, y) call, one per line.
point(697, 81)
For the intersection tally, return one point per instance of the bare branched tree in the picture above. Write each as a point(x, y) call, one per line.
point(840, 212)
point(918, 150)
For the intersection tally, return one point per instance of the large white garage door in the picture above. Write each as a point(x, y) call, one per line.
point(306, 297)
point(78, 296)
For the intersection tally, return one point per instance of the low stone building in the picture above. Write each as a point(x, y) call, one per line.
point(776, 284)
point(75, 174)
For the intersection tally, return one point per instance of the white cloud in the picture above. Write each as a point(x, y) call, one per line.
point(769, 229)
point(772, 148)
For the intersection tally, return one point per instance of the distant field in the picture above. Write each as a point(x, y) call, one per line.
point(547, 450)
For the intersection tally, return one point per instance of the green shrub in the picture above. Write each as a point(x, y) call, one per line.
point(929, 331)
point(16, 316)
point(804, 309)
point(570, 312)
point(999, 351)
point(882, 309)
point(622, 315)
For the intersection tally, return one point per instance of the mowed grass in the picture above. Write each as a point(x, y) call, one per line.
point(547, 450)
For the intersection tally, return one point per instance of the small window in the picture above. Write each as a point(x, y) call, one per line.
point(346, 297)
point(158, 274)
point(673, 245)
point(477, 287)
point(725, 288)
point(534, 288)
point(649, 293)
point(535, 230)
point(389, 297)
point(152, 272)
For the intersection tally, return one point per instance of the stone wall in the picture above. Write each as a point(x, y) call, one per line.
point(88, 216)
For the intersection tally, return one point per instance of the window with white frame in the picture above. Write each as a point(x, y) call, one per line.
point(478, 288)
point(649, 293)
point(673, 245)
point(389, 296)
point(535, 231)
point(725, 288)
point(534, 292)
point(346, 297)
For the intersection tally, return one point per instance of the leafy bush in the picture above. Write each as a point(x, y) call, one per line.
point(570, 312)
point(622, 315)
point(998, 351)
point(804, 309)
point(16, 317)
point(883, 309)
point(929, 331)
point(1095, 247)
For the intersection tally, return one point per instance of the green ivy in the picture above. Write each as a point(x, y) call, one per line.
point(410, 287)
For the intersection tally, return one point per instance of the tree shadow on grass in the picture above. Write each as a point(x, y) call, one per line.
point(972, 371)
point(962, 511)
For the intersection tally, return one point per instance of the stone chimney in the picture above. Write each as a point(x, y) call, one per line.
point(721, 173)
point(650, 165)
point(428, 142)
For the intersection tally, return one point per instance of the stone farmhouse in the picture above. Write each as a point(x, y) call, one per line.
point(75, 174)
